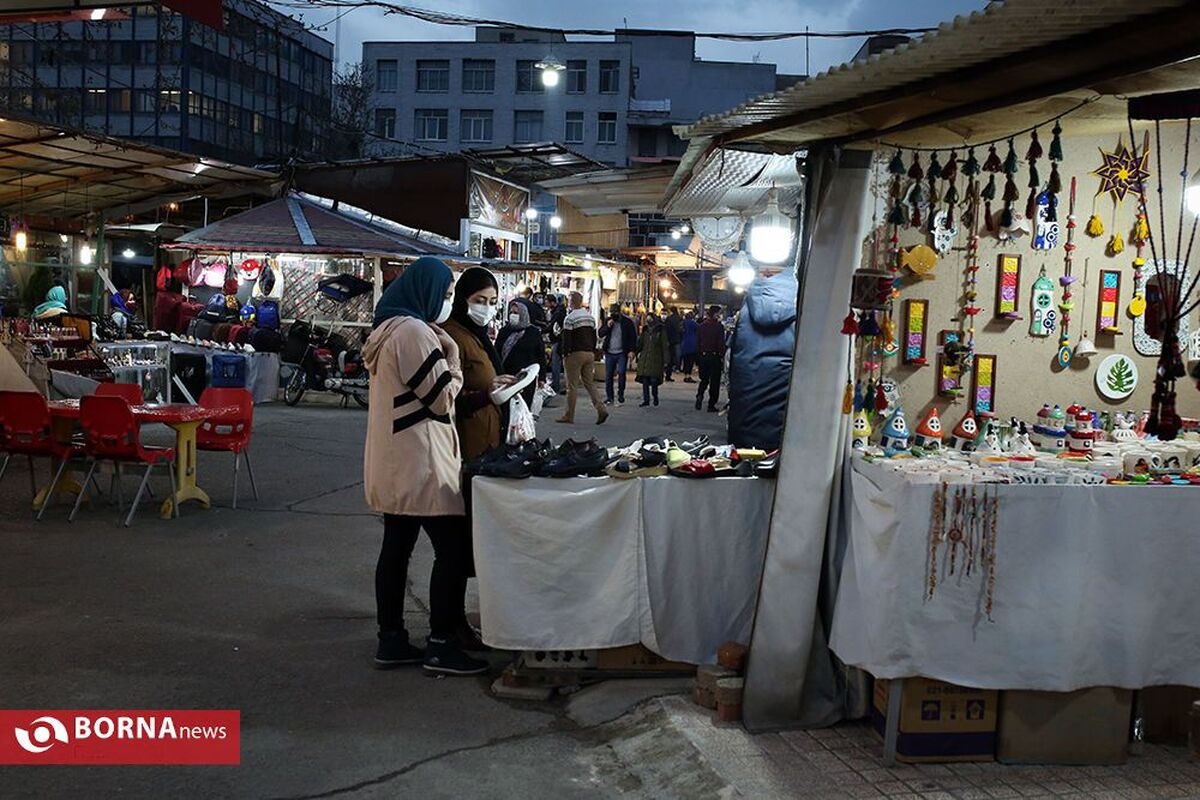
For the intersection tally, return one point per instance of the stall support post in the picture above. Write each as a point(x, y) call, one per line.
point(376, 281)
point(891, 725)
point(97, 258)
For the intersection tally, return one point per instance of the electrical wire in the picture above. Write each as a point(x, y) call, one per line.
point(998, 139)
point(462, 20)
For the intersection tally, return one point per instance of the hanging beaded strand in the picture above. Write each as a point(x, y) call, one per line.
point(1067, 306)
point(937, 527)
point(990, 556)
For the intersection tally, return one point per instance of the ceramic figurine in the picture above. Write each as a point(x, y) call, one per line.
point(991, 441)
point(1045, 317)
point(1049, 434)
point(1046, 231)
point(895, 434)
point(1082, 437)
point(965, 433)
point(1123, 428)
point(860, 430)
point(887, 397)
point(1021, 445)
point(929, 432)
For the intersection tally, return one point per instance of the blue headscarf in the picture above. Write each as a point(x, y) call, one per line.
point(418, 292)
point(56, 300)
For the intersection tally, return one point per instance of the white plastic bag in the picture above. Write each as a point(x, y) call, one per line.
point(521, 425)
point(543, 393)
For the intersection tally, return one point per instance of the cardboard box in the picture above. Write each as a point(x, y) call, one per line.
point(1090, 726)
point(637, 657)
point(940, 721)
point(1166, 713)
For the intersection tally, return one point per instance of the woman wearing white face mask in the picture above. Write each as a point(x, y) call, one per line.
point(477, 418)
point(520, 344)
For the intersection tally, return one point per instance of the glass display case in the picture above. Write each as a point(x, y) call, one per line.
point(142, 362)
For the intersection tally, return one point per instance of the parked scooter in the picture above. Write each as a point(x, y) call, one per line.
point(321, 358)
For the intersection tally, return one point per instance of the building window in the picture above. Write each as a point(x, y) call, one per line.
point(387, 75)
point(529, 77)
point(120, 100)
point(95, 101)
point(610, 77)
point(168, 102)
point(606, 131)
point(479, 75)
point(576, 77)
point(433, 76)
point(432, 124)
point(574, 127)
point(527, 127)
point(476, 125)
point(385, 123)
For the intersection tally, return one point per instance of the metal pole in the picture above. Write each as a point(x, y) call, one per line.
point(703, 280)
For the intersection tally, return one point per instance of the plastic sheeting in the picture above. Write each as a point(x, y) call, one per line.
point(1095, 586)
point(589, 563)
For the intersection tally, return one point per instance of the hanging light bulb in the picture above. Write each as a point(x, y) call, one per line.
point(684, 229)
point(550, 67)
point(675, 234)
point(62, 237)
point(85, 254)
point(741, 273)
point(771, 233)
point(665, 283)
point(531, 213)
point(128, 252)
point(20, 240)
point(556, 222)
point(1191, 193)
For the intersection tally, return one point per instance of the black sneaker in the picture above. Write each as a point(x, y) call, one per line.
point(576, 459)
point(445, 658)
point(394, 650)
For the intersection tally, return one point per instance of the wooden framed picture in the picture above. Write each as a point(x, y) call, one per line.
point(1008, 286)
point(916, 326)
point(949, 365)
point(1108, 303)
point(983, 384)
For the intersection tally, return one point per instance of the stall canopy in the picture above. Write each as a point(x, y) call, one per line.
point(1010, 66)
point(614, 191)
point(301, 224)
point(66, 173)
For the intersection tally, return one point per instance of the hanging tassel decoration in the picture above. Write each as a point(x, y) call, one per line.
point(935, 167)
point(849, 325)
point(1031, 205)
point(1056, 148)
point(896, 165)
point(951, 201)
point(896, 217)
point(992, 162)
point(1010, 160)
point(950, 171)
point(915, 172)
point(881, 401)
point(848, 398)
point(970, 167)
point(1141, 231)
point(868, 326)
point(1094, 227)
point(1053, 188)
point(1035, 148)
point(989, 194)
point(1116, 245)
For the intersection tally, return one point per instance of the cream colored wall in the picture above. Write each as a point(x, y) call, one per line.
point(1026, 369)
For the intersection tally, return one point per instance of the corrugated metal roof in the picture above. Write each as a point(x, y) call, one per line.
point(1000, 31)
point(735, 182)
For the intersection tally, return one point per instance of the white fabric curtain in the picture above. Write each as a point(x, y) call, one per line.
point(791, 678)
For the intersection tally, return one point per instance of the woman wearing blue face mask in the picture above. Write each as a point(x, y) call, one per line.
point(412, 466)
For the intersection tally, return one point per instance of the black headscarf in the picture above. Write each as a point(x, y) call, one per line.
point(471, 281)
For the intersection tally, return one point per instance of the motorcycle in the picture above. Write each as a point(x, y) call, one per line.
point(321, 359)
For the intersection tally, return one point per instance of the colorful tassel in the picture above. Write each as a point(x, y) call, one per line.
point(1010, 160)
point(989, 221)
point(1035, 148)
point(1116, 245)
point(850, 325)
point(915, 172)
point(992, 163)
point(1006, 217)
point(868, 326)
point(858, 395)
point(970, 167)
point(1094, 227)
point(1035, 180)
point(1054, 185)
point(896, 217)
point(848, 398)
point(989, 191)
point(1011, 192)
point(896, 165)
point(1031, 205)
point(950, 171)
point(1141, 231)
point(935, 167)
point(1056, 149)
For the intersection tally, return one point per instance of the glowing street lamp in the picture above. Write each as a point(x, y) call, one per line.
point(556, 222)
point(550, 67)
point(771, 233)
point(741, 273)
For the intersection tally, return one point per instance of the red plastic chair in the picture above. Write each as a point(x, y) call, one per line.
point(229, 433)
point(111, 433)
point(26, 430)
point(131, 392)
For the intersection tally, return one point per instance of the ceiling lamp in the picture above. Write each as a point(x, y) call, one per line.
point(771, 233)
point(675, 234)
point(20, 240)
point(556, 222)
point(128, 252)
point(742, 273)
point(531, 214)
point(550, 67)
point(85, 254)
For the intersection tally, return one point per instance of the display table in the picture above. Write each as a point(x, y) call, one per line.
point(1094, 586)
point(591, 563)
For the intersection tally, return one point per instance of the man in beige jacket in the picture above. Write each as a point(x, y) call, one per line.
point(579, 359)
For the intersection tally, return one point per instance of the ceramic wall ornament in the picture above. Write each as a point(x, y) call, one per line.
point(965, 433)
point(1116, 377)
point(1044, 317)
point(895, 437)
point(983, 384)
point(860, 430)
point(920, 260)
point(1046, 229)
point(1018, 227)
point(945, 231)
point(887, 397)
point(1108, 303)
point(916, 322)
point(1147, 335)
point(929, 432)
point(1008, 287)
point(952, 360)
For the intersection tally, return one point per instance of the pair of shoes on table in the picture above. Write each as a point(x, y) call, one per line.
point(512, 461)
point(574, 459)
point(645, 463)
point(694, 446)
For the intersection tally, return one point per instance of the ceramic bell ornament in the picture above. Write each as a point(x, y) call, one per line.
point(965, 433)
point(1044, 317)
point(929, 431)
point(860, 430)
point(1086, 348)
point(895, 434)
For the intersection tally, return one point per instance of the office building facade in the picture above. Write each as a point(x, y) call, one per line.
point(256, 92)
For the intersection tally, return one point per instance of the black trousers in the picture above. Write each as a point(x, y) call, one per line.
point(447, 585)
point(711, 367)
point(688, 360)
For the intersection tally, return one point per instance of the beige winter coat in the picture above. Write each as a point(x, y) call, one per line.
point(411, 465)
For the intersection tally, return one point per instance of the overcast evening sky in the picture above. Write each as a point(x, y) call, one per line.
point(696, 15)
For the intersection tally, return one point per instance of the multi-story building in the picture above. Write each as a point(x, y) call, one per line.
point(615, 100)
point(257, 91)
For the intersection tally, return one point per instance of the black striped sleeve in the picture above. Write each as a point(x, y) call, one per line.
point(427, 365)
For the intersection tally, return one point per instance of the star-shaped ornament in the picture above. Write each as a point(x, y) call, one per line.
point(1122, 172)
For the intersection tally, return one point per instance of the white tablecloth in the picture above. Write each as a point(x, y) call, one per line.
point(1095, 586)
point(588, 563)
point(262, 370)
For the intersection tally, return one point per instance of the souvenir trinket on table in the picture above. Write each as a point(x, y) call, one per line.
point(1123, 427)
point(1044, 317)
point(1049, 432)
point(963, 437)
point(860, 430)
point(928, 435)
point(1082, 437)
point(895, 437)
point(1021, 445)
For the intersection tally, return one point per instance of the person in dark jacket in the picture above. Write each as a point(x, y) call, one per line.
point(558, 312)
point(674, 326)
point(688, 345)
point(710, 345)
point(578, 345)
point(760, 362)
point(520, 344)
point(654, 354)
point(618, 340)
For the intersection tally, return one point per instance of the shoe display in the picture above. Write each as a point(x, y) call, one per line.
point(512, 461)
point(443, 657)
point(394, 650)
point(575, 460)
point(694, 469)
point(695, 445)
point(677, 457)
